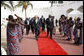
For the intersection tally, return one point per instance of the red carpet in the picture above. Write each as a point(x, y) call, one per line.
point(47, 46)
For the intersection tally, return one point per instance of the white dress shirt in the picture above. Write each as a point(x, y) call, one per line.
point(27, 22)
point(36, 21)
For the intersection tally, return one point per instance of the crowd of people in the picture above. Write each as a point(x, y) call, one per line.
point(15, 29)
point(66, 28)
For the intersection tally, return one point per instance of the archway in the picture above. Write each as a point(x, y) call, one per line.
point(69, 10)
point(80, 9)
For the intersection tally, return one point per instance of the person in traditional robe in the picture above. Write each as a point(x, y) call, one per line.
point(70, 28)
point(60, 25)
point(12, 36)
point(65, 26)
point(61, 20)
point(19, 27)
point(22, 27)
point(78, 31)
point(36, 26)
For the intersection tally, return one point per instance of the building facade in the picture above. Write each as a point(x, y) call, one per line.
point(66, 7)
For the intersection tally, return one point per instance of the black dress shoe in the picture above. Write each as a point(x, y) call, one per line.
point(60, 33)
point(36, 39)
point(68, 39)
point(64, 36)
point(50, 38)
point(75, 43)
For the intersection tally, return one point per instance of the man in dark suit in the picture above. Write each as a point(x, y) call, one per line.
point(54, 29)
point(27, 25)
point(32, 25)
point(56, 22)
point(42, 23)
point(37, 26)
point(49, 22)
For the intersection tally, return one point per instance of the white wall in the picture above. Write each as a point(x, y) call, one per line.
point(62, 8)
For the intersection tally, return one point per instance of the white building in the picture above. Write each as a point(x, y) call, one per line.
point(66, 7)
point(61, 8)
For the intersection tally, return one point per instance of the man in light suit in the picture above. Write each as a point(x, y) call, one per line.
point(37, 26)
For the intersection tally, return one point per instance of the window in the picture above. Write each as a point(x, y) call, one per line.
point(60, 2)
point(53, 2)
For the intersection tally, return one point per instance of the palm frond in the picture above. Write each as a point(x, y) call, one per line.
point(30, 4)
point(2, 3)
point(11, 3)
point(8, 6)
point(19, 4)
